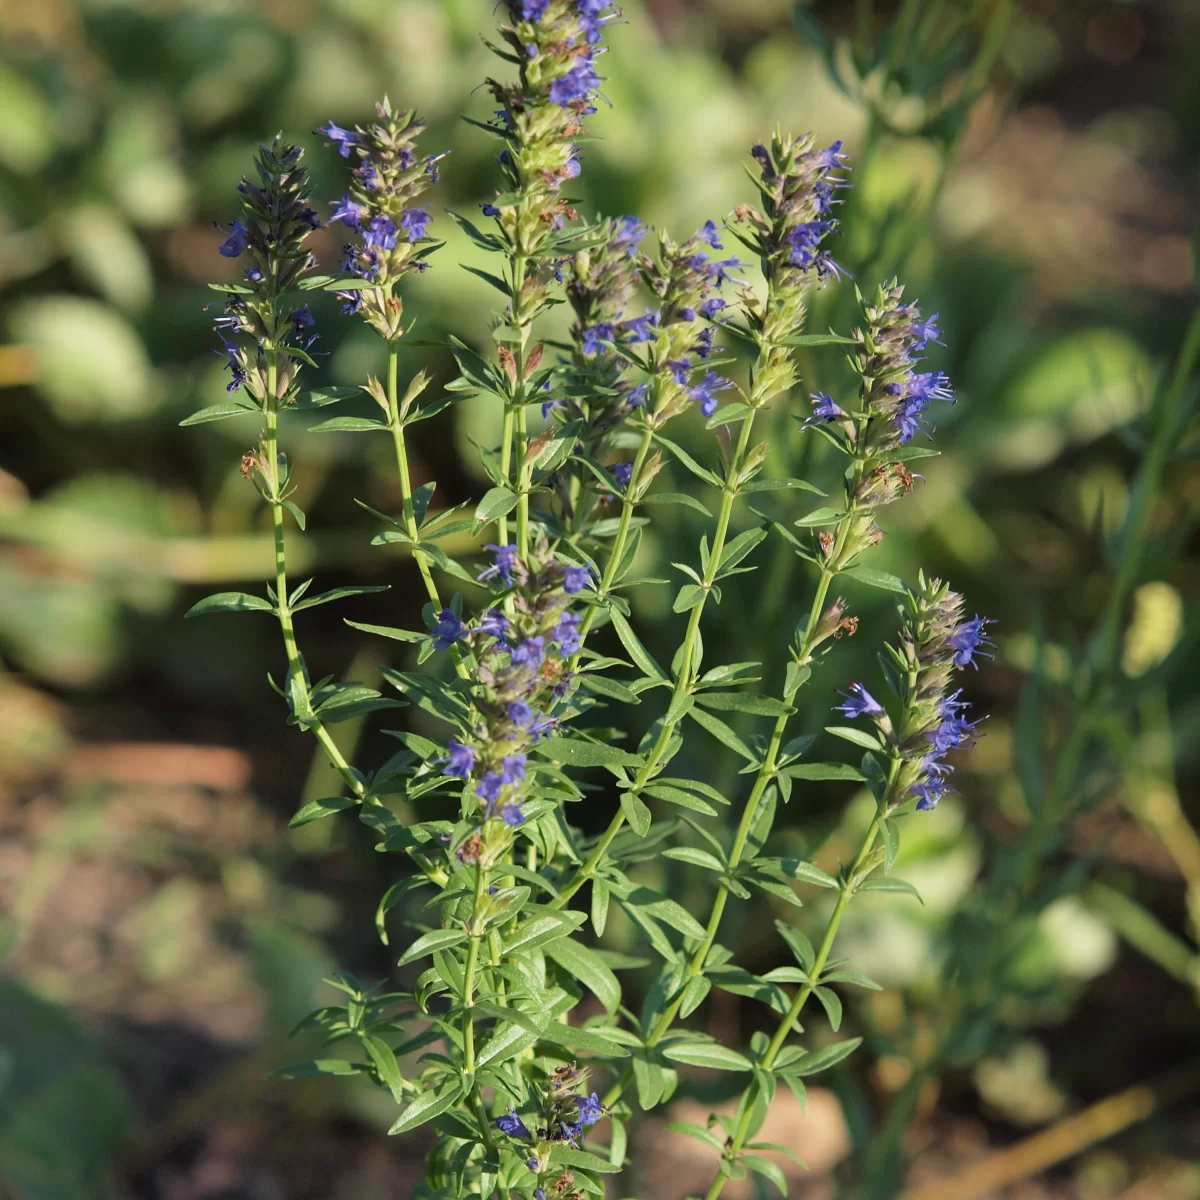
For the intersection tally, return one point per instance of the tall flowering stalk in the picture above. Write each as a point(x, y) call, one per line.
point(507, 673)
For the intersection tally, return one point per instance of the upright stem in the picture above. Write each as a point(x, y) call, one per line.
point(506, 447)
point(297, 684)
point(468, 1025)
point(523, 482)
point(735, 1144)
point(406, 494)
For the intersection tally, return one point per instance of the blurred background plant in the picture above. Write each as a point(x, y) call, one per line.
point(1030, 169)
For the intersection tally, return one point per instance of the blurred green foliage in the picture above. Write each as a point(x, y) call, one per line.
point(1045, 221)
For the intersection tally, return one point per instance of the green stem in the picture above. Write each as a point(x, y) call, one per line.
point(297, 684)
point(735, 1144)
point(468, 1026)
point(506, 439)
point(406, 493)
point(523, 484)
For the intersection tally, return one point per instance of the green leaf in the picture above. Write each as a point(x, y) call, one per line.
point(689, 462)
point(818, 339)
point(217, 412)
point(891, 844)
point(323, 397)
point(698, 1132)
point(820, 516)
point(385, 1063)
point(314, 810)
point(505, 1043)
point(427, 1106)
point(579, 753)
point(858, 736)
point(495, 503)
point(831, 1004)
point(230, 602)
point(822, 771)
point(877, 579)
point(722, 733)
point(684, 799)
point(612, 688)
point(696, 857)
point(747, 702)
point(388, 631)
point(339, 593)
point(586, 966)
point(574, 1038)
point(798, 943)
point(581, 1159)
point(676, 498)
point(694, 993)
point(636, 813)
point(766, 1168)
point(436, 939)
point(318, 1066)
point(823, 1059)
point(634, 648)
point(600, 898)
point(806, 872)
point(707, 1054)
point(889, 885)
point(541, 929)
point(666, 910)
point(740, 546)
point(349, 425)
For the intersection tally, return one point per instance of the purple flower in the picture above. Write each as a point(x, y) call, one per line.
point(706, 391)
point(461, 760)
point(539, 1194)
point(254, 274)
point(926, 331)
point(541, 727)
point(824, 409)
point(575, 579)
point(448, 630)
point(533, 10)
point(929, 791)
point(490, 210)
point(861, 703)
point(575, 86)
point(595, 336)
point(711, 307)
point(637, 395)
point(302, 318)
point(641, 329)
point(512, 769)
point(511, 1124)
point(622, 472)
point(627, 235)
point(566, 633)
point(530, 652)
point(968, 639)
point(236, 242)
point(511, 813)
point(493, 623)
point(506, 559)
point(346, 211)
point(489, 787)
point(590, 1109)
point(234, 363)
point(414, 221)
point(520, 713)
point(832, 158)
point(679, 369)
point(380, 233)
point(342, 138)
point(709, 234)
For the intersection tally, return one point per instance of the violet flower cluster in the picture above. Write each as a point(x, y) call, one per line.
point(936, 641)
point(269, 236)
point(381, 208)
point(565, 1112)
point(522, 645)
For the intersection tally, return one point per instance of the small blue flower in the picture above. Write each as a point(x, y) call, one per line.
point(929, 791)
point(637, 395)
point(461, 760)
point(511, 1124)
point(344, 139)
point(926, 331)
point(530, 652)
point(512, 769)
point(622, 472)
point(576, 86)
point(511, 813)
point(414, 222)
point(628, 235)
point(254, 274)
point(494, 623)
point(236, 242)
point(506, 559)
point(575, 579)
point(520, 713)
point(541, 727)
point(539, 1194)
point(679, 369)
point(490, 210)
point(590, 1109)
point(380, 233)
point(302, 318)
point(533, 10)
point(489, 788)
point(346, 211)
point(824, 409)
point(967, 641)
point(709, 234)
point(861, 703)
point(641, 329)
point(706, 391)
point(448, 630)
point(711, 307)
point(566, 633)
point(596, 335)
